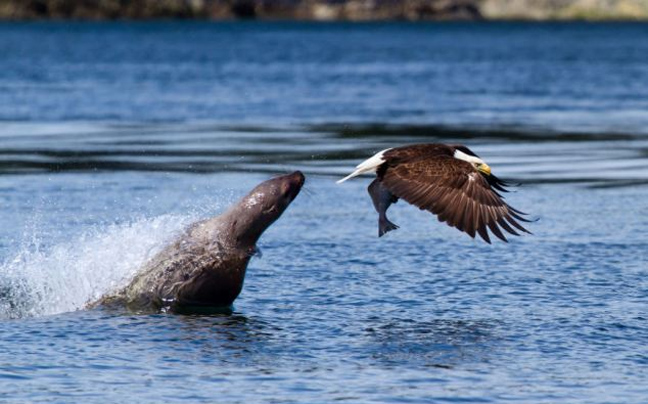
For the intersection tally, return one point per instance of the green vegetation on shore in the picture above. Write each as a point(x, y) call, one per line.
point(326, 10)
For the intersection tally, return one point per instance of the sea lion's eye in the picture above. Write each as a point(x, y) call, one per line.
point(285, 189)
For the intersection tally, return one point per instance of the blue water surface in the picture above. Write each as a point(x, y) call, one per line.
point(115, 136)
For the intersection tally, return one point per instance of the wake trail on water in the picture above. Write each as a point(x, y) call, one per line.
point(39, 281)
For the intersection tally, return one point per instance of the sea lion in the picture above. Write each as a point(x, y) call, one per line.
point(205, 266)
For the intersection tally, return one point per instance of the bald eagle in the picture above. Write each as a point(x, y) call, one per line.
point(450, 181)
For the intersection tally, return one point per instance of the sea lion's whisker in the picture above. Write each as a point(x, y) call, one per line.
point(308, 191)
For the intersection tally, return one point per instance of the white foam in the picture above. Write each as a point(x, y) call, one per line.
point(41, 281)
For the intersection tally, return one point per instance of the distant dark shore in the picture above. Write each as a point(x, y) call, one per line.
point(324, 10)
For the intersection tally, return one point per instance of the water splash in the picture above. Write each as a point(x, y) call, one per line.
point(40, 280)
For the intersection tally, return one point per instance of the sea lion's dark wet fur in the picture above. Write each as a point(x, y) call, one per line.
point(205, 266)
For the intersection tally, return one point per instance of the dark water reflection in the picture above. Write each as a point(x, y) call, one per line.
point(529, 156)
point(435, 343)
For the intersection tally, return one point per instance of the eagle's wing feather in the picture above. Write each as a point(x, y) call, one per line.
point(454, 191)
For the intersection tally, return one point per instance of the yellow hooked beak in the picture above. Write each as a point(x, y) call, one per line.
point(484, 168)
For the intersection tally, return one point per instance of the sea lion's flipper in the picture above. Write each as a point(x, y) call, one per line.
point(256, 252)
point(382, 200)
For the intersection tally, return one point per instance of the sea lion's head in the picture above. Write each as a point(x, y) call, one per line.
point(263, 205)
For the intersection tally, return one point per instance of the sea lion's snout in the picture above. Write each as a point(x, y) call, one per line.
point(292, 184)
point(265, 204)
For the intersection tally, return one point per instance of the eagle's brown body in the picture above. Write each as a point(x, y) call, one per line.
point(450, 181)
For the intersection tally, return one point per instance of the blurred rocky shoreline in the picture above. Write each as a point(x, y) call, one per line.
point(326, 10)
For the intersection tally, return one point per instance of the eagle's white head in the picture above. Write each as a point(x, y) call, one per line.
point(479, 164)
